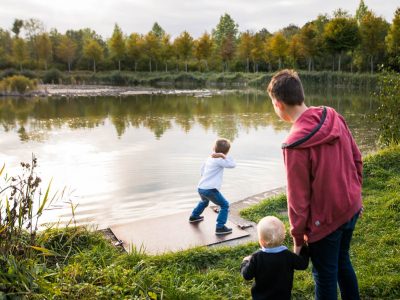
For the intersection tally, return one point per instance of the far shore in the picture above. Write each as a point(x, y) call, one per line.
point(60, 90)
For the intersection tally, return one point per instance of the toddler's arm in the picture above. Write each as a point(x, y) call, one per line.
point(300, 262)
point(247, 268)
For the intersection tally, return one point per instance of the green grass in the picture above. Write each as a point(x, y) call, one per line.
point(87, 266)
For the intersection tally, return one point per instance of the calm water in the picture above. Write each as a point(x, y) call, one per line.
point(122, 159)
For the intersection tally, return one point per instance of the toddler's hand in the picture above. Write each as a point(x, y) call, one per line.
point(218, 155)
point(247, 258)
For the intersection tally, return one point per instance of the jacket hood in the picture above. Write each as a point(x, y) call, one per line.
point(316, 126)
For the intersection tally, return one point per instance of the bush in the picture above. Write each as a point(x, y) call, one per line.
point(52, 76)
point(18, 83)
point(8, 73)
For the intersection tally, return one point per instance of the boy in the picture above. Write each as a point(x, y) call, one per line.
point(324, 177)
point(210, 184)
point(272, 266)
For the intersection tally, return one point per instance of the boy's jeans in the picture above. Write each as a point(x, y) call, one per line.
point(216, 197)
point(331, 264)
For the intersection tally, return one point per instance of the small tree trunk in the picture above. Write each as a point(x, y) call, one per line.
point(186, 66)
point(372, 64)
point(206, 65)
point(339, 62)
point(135, 66)
point(94, 65)
point(166, 67)
point(309, 64)
point(119, 65)
point(69, 67)
point(20, 66)
point(280, 63)
point(150, 65)
point(247, 65)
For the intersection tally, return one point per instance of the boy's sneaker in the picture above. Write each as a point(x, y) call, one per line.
point(195, 219)
point(223, 230)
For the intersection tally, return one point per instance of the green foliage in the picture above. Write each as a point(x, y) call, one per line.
point(389, 110)
point(17, 83)
point(393, 40)
point(52, 76)
point(274, 206)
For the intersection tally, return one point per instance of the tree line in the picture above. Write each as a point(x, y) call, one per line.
point(341, 42)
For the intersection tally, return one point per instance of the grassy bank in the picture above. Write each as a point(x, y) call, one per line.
point(323, 79)
point(79, 264)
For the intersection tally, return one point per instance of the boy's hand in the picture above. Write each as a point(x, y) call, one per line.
point(218, 155)
point(247, 258)
point(297, 249)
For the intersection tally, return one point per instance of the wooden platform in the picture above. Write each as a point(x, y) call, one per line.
point(173, 233)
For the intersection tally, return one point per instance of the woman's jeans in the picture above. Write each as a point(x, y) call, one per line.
point(216, 197)
point(331, 264)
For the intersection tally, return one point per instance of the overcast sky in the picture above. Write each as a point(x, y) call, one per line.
point(177, 15)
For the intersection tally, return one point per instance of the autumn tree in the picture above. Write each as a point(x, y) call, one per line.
point(294, 50)
point(341, 34)
point(227, 51)
point(158, 31)
point(6, 47)
point(166, 50)
point(308, 43)
point(151, 48)
point(393, 40)
point(257, 51)
point(93, 51)
point(66, 50)
point(117, 45)
point(33, 28)
point(20, 53)
point(373, 31)
point(245, 46)
point(134, 48)
point(44, 48)
point(278, 46)
point(183, 45)
point(203, 48)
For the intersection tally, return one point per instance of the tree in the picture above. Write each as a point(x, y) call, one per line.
point(308, 43)
point(278, 46)
point(226, 29)
point(294, 50)
point(184, 47)
point(93, 51)
point(257, 50)
point(17, 25)
point(33, 28)
point(157, 30)
point(290, 31)
point(151, 48)
point(227, 51)
point(393, 39)
point(133, 48)
point(166, 50)
point(6, 47)
point(361, 11)
point(66, 50)
point(245, 46)
point(19, 51)
point(341, 34)
point(117, 45)
point(44, 48)
point(373, 31)
point(203, 48)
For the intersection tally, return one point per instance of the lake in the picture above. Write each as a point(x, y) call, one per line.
point(128, 158)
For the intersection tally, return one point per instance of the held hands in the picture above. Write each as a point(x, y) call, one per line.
point(218, 155)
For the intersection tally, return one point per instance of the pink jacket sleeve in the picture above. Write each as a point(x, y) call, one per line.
point(298, 172)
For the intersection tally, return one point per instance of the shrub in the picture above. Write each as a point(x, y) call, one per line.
point(53, 76)
point(8, 73)
point(18, 83)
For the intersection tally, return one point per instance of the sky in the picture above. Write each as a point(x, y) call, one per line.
point(175, 16)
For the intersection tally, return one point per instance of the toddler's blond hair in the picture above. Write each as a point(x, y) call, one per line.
point(271, 232)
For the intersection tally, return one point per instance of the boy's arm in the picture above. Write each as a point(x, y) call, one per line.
point(247, 268)
point(298, 191)
point(226, 161)
point(300, 262)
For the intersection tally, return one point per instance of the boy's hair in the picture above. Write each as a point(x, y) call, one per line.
point(271, 230)
point(222, 146)
point(285, 86)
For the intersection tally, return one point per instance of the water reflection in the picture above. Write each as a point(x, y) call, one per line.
point(139, 156)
